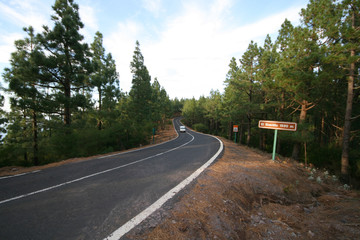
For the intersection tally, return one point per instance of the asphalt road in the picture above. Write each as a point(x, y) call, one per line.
point(94, 198)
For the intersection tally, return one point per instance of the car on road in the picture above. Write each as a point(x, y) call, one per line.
point(182, 129)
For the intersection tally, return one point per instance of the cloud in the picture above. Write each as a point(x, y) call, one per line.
point(20, 14)
point(153, 6)
point(25, 13)
point(88, 17)
point(191, 53)
point(7, 46)
point(195, 48)
point(121, 44)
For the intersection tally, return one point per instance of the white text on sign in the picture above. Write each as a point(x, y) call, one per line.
point(287, 126)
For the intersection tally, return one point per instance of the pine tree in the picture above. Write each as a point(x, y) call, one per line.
point(249, 84)
point(23, 79)
point(65, 64)
point(141, 91)
point(104, 78)
point(233, 99)
point(3, 119)
point(299, 74)
point(338, 26)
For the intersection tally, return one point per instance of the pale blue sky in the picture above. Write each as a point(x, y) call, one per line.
point(187, 44)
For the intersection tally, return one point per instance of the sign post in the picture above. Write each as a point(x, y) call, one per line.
point(274, 146)
point(235, 130)
point(287, 126)
point(154, 131)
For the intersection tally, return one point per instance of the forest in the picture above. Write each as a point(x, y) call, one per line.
point(308, 75)
point(66, 100)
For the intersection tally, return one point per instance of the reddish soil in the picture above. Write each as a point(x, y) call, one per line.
point(246, 195)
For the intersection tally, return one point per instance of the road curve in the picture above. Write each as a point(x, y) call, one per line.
point(102, 198)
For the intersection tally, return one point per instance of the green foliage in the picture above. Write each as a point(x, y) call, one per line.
point(309, 75)
point(106, 79)
point(65, 64)
point(200, 127)
point(53, 116)
point(141, 91)
point(325, 157)
point(3, 119)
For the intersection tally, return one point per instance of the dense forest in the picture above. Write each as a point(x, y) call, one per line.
point(66, 99)
point(308, 75)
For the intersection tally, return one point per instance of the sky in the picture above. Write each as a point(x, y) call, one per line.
point(187, 44)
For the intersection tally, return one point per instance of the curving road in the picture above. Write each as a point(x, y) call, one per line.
point(105, 197)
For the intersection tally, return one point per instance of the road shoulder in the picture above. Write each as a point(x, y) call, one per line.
point(247, 195)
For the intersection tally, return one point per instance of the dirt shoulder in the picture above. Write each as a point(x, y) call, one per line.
point(246, 195)
point(162, 135)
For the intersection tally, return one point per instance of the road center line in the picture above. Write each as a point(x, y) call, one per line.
point(93, 175)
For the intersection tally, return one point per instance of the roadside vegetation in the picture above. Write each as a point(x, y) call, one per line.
point(310, 75)
point(66, 99)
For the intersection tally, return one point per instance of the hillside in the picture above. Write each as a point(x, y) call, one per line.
point(246, 195)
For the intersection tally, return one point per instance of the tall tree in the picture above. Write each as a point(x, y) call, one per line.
point(105, 78)
point(3, 119)
point(141, 91)
point(23, 79)
point(249, 84)
point(338, 26)
point(232, 102)
point(161, 105)
point(65, 64)
point(300, 75)
point(213, 110)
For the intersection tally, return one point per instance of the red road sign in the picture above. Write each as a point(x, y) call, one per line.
point(235, 128)
point(287, 126)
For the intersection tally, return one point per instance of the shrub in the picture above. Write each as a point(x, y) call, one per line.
point(200, 127)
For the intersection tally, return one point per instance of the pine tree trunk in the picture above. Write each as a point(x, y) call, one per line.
point(248, 130)
point(348, 112)
point(296, 149)
point(35, 139)
point(241, 132)
point(230, 130)
point(100, 108)
point(347, 124)
point(322, 131)
point(67, 113)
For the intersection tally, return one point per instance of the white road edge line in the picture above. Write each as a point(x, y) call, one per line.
point(117, 234)
point(18, 175)
point(92, 175)
point(111, 155)
point(140, 149)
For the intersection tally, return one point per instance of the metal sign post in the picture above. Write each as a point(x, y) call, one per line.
point(235, 130)
point(154, 131)
point(287, 126)
point(274, 146)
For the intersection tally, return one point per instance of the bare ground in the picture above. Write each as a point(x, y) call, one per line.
point(246, 195)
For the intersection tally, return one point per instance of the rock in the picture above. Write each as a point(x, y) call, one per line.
point(311, 234)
